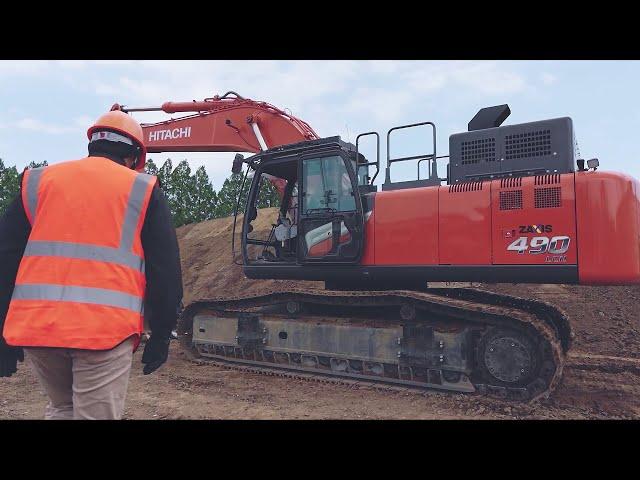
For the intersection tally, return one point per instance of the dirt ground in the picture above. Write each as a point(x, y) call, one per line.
point(601, 378)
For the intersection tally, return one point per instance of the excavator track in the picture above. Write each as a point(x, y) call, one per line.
point(450, 339)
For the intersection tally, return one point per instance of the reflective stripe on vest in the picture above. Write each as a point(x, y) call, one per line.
point(134, 207)
point(39, 248)
point(64, 293)
point(121, 255)
point(33, 182)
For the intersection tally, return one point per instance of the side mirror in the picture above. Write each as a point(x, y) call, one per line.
point(237, 163)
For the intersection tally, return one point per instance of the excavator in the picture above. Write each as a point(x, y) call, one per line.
point(516, 206)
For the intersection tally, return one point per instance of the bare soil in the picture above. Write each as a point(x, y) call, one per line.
point(601, 378)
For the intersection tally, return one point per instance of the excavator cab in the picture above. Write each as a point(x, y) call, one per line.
point(320, 216)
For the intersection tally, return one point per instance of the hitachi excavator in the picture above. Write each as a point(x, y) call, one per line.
point(516, 206)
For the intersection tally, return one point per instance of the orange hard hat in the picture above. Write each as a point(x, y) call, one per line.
point(124, 124)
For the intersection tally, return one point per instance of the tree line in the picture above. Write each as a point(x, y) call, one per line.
point(10, 183)
point(190, 195)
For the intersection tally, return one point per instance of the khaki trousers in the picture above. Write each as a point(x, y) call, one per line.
point(83, 384)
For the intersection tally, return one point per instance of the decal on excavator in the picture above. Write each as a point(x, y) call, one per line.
point(558, 245)
point(536, 228)
point(169, 134)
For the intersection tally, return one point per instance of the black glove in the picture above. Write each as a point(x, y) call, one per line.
point(156, 352)
point(9, 357)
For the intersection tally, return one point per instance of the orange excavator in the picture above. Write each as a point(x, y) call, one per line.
point(517, 205)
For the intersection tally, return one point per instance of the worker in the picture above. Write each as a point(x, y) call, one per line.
point(84, 247)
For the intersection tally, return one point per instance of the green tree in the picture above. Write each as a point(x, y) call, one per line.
point(164, 175)
point(183, 194)
point(205, 197)
point(9, 185)
point(10, 182)
point(38, 164)
point(192, 198)
point(150, 167)
point(228, 195)
point(268, 196)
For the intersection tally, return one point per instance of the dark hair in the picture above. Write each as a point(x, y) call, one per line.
point(116, 151)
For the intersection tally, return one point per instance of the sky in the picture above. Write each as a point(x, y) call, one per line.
point(47, 106)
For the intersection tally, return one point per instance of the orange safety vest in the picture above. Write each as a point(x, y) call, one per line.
point(81, 282)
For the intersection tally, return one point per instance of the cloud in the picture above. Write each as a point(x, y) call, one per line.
point(37, 125)
point(292, 84)
point(303, 85)
point(38, 67)
point(296, 84)
point(71, 64)
point(83, 122)
point(77, 125)
point(379, 103)
point(548, 78)
point(110, 63)
point(101, 88)
point(385, 67)
point(489, 79)
point(22, 67)
point(327, 94)
point(479, 77)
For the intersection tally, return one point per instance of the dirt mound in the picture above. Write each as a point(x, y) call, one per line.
point(208, 269)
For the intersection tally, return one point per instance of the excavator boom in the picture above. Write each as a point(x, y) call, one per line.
point(227, 123)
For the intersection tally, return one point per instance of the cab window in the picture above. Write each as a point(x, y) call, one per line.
point(327, 186)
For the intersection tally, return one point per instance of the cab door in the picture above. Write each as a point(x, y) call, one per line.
point(331, 226)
